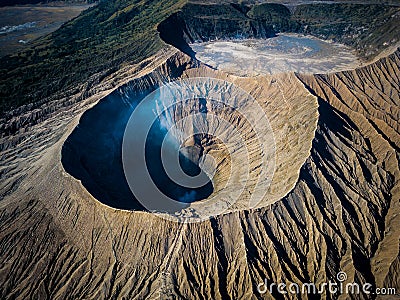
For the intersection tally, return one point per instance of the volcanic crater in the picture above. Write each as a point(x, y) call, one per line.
point(308, 187)
point(265, 66)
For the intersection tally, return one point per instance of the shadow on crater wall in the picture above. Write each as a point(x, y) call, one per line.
point(93, 154)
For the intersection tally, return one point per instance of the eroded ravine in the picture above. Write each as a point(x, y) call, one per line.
point(316, 230)
point(333, 205)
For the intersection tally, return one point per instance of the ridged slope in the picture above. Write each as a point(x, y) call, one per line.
point(342, 214)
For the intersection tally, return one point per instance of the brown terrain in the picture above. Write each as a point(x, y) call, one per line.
point(332, 205)
point(337, 182)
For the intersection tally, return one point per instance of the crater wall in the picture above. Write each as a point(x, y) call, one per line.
point(330, 221)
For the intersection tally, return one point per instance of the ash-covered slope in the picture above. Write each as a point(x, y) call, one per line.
point(334, 205)
point(58, 242)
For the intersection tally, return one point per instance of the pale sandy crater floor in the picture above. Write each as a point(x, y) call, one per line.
point(284, 53)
